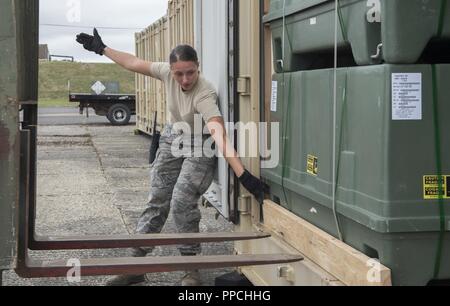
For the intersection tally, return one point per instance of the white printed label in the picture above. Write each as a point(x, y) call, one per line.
point(313, 21)
point(273, 103)
point(406, 96)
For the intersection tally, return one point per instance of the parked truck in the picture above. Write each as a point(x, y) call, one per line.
point(116, 107)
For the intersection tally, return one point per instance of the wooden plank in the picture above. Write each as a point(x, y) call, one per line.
point(339, 259)
point(303, 273)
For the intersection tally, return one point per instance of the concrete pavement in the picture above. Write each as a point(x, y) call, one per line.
point(93, 180)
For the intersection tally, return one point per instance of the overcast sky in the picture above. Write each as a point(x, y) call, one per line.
point(134, 15)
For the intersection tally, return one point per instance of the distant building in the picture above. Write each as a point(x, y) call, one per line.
point(44, 53)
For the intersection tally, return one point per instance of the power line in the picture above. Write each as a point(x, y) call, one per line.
point(85, 27)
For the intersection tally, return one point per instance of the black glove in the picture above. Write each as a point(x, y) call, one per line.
point(92, 43)
point(254, 186)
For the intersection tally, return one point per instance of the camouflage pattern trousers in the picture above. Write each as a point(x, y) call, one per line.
point(176, 183)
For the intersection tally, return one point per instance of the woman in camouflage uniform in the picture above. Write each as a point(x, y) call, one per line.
point(178, 181)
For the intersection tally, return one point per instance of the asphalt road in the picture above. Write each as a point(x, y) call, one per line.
point(71, 116)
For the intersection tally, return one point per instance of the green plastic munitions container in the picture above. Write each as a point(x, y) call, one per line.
point(402, 27)
point(386, 160)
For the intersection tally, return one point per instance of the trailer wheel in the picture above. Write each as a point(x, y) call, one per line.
point(119, 114)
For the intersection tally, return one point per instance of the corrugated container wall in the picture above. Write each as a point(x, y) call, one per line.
point(154, 44)
point(181, 22)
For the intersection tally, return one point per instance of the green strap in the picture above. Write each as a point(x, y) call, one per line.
point(339, 153)
point(341, 132)
point(442, 17)
point(286, 140)
point(287, 123)
point(342, 23)
point(437, 136)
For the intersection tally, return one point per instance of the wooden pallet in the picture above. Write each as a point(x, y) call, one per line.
point(348, 265)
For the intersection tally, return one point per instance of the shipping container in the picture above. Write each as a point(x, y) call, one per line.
point(155, 44)
point(180, 17)
point(152, 45)
point(377, 188)
point(395, 206)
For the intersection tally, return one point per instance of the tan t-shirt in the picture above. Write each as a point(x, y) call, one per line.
point(183, 106)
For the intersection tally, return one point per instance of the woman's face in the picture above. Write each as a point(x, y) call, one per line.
point(185, 73)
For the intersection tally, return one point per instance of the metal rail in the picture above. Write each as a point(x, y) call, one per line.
point(117, 242)
point(133, 266)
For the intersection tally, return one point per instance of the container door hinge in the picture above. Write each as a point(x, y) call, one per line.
point(243, 85)
point(245, 205)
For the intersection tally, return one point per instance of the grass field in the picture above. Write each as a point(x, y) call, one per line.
point(55, 76)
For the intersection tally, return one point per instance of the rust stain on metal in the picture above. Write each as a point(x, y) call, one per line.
point(4, 142)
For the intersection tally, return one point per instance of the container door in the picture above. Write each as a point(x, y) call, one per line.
point(212, 42)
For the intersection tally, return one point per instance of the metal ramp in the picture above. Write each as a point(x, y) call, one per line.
point(28, 267)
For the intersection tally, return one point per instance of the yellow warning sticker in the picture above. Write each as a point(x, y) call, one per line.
point(431, 187)
point(313, 165)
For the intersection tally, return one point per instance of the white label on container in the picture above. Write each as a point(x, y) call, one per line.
point(273, 103)
point(406, 96)
point(313, 21)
